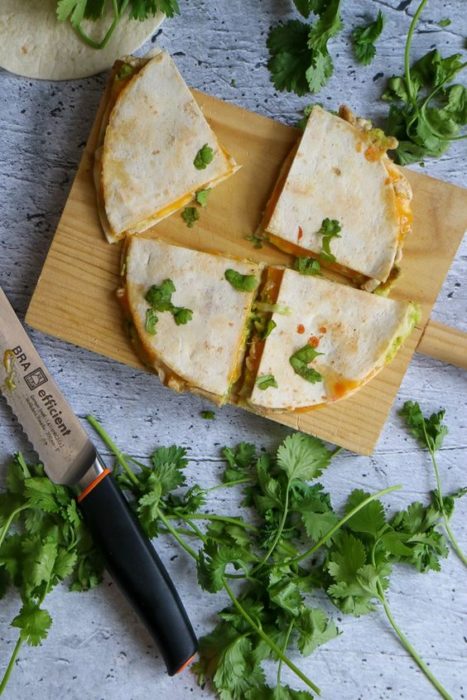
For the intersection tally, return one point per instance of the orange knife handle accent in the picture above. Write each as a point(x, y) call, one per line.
point(135, 566)
point(94, 483)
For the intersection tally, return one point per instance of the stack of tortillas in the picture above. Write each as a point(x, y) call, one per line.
point(36, 45)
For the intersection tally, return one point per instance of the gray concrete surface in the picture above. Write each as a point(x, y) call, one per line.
point(96, 648)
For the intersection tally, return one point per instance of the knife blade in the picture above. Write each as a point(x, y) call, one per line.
point(70, 458)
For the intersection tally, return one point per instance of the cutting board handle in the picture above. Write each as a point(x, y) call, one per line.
point(444, 343)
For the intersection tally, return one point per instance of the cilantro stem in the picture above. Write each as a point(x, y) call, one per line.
point(447, 527)
point(108, 442)
point(184, 545)
point(284, 649)
point(103, 43)
point(228, 484)
point(342, 521)
point(280, 655)
point(219, 518)
point(11, 663)
point(10, 519)
point(278, 533)
point(408, 44)
point(407, 645)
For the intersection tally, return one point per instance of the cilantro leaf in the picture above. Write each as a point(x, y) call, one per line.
point(299, 58)
point(300, 361)
point(264, 381)
point(303, 457)
point(33, 622)
point(150, 321)
point(160, 296)
point(307, 266)
point(240, 461)
point(431, 431)
point(242, 283)
point(370, 519)
point(330, 228)
point(190, 216)
point(182, 315)
point(202, 197)
point(213, 561)
point(314, 628)
point(364, 37)
point(207, 415)
point(160, 299)
point(290, 56)
point(204, 156)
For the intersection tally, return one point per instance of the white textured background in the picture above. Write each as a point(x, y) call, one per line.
point(96, 648)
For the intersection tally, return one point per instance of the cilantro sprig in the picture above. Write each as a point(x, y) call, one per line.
point(364, 37)
point(78, 10)
point(430, 432)
point(299, 58)
point(296, 543)
point(425, 113)
point(43, 541)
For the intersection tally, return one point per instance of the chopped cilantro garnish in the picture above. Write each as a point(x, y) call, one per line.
point(159, 297)
point(330, 228)
point(300, 360)
point(256, 240)
point(202, 197)
point(265, 381)
point(307, 266)
point(242, 283)
point(204, 156)
point(207, 415)
point(364, 37)
point(444, 22)
point(190, 215)
point(269, 328)
point(182, 315)
point(125, 71)
point(151, 321)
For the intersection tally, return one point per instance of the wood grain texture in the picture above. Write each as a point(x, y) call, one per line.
point(96, 648)
point(75, 296)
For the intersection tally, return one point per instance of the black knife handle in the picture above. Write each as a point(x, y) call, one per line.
point(134, 564)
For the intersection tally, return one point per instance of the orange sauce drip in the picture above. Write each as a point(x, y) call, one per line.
point(313, 341)
point(300, 328)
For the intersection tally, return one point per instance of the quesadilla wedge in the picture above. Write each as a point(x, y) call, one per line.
point(323, 342)
point(341, 200)
point(188, 313)
point(155, 147)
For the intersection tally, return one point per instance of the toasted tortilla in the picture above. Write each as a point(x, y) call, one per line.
point(155, 130)
point(356, 332)
point(204, 355)
point(340, 172)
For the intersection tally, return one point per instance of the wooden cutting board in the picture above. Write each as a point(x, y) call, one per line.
point(75, 295)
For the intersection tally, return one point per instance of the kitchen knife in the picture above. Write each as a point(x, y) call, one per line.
point(69, 457)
